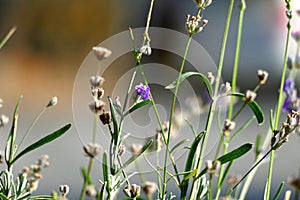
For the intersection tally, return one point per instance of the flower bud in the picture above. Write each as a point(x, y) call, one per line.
point(92, 150)
point(250, 96)
point(149, 188)
point(53, 101)
point(262, 76)
point(64, 190)
point(105, 118)
point(101, 53)
point(96, 81)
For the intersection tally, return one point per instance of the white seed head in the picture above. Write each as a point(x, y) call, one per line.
point(96, 81)
point(3, 120)
point(101, 53)
point(53, 101)
point(211, 77)
point(225, 88)
point(250, 96)
point(262, 76)
point(229, 125)
point(64, 190)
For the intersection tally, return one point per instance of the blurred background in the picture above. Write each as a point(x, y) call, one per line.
point(54, 37)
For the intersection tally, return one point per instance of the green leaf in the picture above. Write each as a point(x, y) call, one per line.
point(189, 164)
point(43, 141)
point(238, 152)
point(137, 106)
point(253, 106)
point(184, 76)
point(105, 167)
point(134, 157)
point(257, 145)
point(114, 120)
point(279, 191)
point(178, 145)
point(3, 197)
point(10, 143)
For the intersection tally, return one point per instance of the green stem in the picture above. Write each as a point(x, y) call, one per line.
point(6, 38)
point(171, 115)
point(89, 169)
point(213, 104)
point(279, 107)
point(31, 126)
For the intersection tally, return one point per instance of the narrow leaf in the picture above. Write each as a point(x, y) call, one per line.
point(3, 197)
point(10, 143)
point(40, 198)
point(114, 120)
point(253, 106)
point(134, 157)
point(238, 152)
point(189, 164)
point(43, 141)
point(279, 191)
point(105, 167)
point(137, 106)
point(178, 145)
point(184, 76)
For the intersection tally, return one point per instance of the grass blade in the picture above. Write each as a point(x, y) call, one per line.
point(6, 38)
point(43, 141)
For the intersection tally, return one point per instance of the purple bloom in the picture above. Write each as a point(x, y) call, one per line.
point(142, 92)
point(291, 102)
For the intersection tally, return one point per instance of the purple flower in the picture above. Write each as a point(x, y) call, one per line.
point(142, 92)
point(291, 102)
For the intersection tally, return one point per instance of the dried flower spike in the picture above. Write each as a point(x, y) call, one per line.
point(192, 24)
point(53, 101)
point(101, 53)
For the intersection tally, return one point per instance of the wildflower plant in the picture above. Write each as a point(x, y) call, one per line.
point(201, 177)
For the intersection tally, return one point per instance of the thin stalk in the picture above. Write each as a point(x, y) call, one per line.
point(213, 104)
point(171, 115)
point(279, 106)
point(31, 126)
point(89, 168)
point(6, 38)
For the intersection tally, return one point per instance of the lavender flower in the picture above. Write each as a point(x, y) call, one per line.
point(291, 102)
point(142, 92)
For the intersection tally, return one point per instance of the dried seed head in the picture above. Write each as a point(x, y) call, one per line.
point(101, 53)
point(121, 150)
point(105, 118)
point(64, 190)
point(3, 120)
point(96, 81)
point(91, 191)
point(225, 88)
point(97, 105)
point(211, 77)
point(294, 181)
point(202, 3)
point(262, 76)
point(53, 101)
point(193, 25)
point(97, 92)
point(132, 191)
point(145, 49)
point(136, 148)
point(149, 188)
point(92, 150)
point(250, 96)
